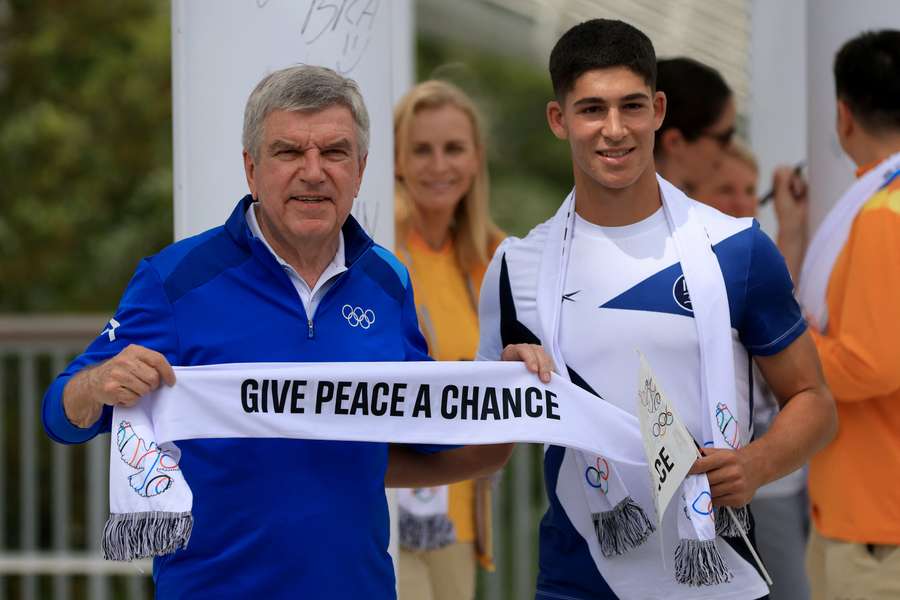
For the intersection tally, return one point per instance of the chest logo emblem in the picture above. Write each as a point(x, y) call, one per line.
point(681, 295)
point(357, 316)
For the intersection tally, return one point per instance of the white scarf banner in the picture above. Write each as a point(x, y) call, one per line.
point(831, 236)
point(453, 403)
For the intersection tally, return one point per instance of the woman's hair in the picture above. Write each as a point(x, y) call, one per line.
point(738, 149)
point(474, 232)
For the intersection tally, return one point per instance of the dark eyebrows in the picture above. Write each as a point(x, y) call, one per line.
point(591, 100)
point(278, 145)
point(339, 144)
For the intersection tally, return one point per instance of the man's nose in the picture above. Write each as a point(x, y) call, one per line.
point(311, 172)
point(614, 127)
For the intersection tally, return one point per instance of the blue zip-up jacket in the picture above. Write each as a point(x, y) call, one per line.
point(273, 518)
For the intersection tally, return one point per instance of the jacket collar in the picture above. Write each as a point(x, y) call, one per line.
point(356, 240)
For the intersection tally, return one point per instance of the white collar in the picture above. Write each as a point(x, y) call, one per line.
point(337, 265)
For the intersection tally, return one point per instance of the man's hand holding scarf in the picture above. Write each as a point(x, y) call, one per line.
point(120, 381)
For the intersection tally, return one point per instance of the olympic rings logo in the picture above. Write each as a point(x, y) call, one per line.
point(358, 317)
point(598, 477)
point(664, 419)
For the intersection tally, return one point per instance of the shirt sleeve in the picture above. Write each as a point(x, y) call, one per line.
point(772, 319)
point(861, 359)
point(490, 344)
point(144, 317)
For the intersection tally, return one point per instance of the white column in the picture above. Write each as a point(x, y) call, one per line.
point(777, 108)
point(830, 24)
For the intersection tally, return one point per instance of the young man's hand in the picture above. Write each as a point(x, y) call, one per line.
point(733, 475)
point(535, 358)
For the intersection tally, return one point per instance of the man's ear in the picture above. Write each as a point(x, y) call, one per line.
point(671, 141)
point(250, 172)
point(659, 109)
point(557, 120)
point(846, 124)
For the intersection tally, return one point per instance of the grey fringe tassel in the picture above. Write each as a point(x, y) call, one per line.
point(425, 533)
point(698, 562)
point(127, 536)
point(725, 526)
point(624, 527)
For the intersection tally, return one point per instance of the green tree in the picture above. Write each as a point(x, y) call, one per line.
point(85, 149)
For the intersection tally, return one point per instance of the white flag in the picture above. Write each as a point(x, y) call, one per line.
point(669, 446)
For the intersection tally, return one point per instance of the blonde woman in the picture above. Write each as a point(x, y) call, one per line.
point(446, 237)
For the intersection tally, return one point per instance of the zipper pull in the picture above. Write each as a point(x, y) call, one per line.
point(310, 330)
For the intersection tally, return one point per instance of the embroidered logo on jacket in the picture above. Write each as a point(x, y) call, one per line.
point(681, 295)
point(358, 317)
point(110, 331)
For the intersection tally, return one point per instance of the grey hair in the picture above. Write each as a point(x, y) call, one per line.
point(302, 88)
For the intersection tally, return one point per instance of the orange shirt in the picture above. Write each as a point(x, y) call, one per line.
point(853, 482)
point(447, 303)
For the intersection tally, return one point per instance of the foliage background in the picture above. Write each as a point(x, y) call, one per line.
point(85, 150)
point(86, 145)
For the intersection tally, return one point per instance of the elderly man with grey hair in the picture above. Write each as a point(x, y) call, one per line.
point(274, 518)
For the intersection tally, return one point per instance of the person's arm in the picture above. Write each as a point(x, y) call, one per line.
point(861, 359)
point(119, 381)
point(773, 330)
point(409, 468)
point(78, 404)
point(791, 202)
point(806, 423)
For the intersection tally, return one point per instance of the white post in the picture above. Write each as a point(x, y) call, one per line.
point(778, 98)
point(830, 24)
point(220, 51)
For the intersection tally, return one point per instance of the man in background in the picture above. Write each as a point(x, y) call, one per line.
point(850, 287)
point(699, 123)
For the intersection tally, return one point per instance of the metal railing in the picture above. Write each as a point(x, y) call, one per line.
point(54, 499)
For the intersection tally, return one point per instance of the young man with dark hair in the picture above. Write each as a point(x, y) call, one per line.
point(630, 263)
point(699, 124)
point(850, 285)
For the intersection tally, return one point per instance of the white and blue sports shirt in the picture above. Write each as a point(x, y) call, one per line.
point(624, 291)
